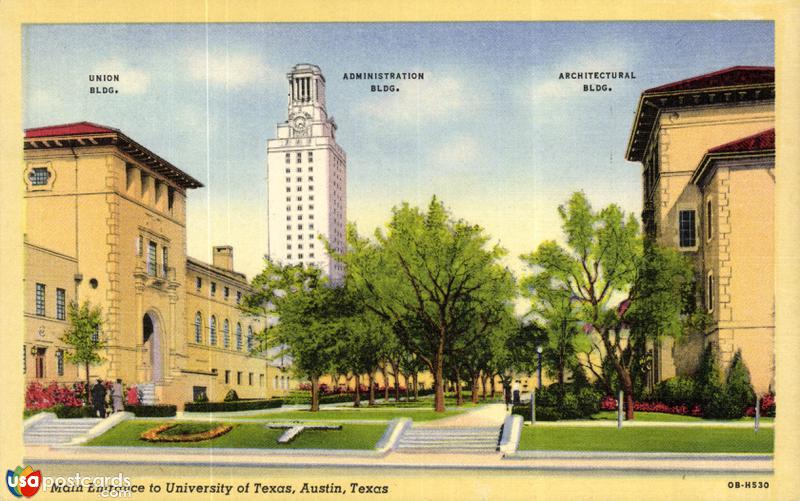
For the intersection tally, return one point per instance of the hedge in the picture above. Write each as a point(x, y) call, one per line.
point(238, 405)
point(161, 410)
point(71, 412)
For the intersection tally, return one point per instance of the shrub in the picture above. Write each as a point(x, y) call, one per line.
point(676, 391)
point(231, 396)
point(160, 410)
point(73, 412)
point(708, 380)
point(239, 405)
point(201, 398)
point(542, 413)
point(38, 397)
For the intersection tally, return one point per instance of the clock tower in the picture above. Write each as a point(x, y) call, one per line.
point(306, 178)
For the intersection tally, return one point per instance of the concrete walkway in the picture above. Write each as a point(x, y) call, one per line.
point(485, 416)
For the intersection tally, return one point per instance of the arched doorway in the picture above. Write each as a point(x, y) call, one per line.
point(151, 341)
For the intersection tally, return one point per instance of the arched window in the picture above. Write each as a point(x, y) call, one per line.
point(212, 335)
point(226, 335)
point(249, 339)
point(238, 337)
point(198, 328)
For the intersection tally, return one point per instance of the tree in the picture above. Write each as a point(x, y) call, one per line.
point(313, 318)
point(627, 292)
point(435, 279)
point(83, 336)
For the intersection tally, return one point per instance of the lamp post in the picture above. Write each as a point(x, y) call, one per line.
point(539, 368)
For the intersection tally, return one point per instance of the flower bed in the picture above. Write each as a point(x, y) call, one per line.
point(160, 434)
point(237, 405)
point(38, 396)
point(609, 403)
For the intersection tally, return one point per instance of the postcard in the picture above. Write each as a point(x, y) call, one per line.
point(412, 253)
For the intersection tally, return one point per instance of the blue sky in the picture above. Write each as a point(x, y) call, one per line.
point(491, 129)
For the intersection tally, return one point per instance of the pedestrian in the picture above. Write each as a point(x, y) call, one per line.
point(507, 394)
point(116, 396)
point(99, 398)
point(515, 392)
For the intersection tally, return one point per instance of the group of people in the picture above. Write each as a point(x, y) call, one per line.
point(511, 394)
point(100, 400)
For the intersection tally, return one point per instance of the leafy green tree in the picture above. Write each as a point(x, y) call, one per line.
point(625, 294)
point(437, 280)
point(738, 389)
point(313, 318)
point(84, 337)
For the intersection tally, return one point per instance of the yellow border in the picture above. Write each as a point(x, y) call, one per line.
point(786, 14)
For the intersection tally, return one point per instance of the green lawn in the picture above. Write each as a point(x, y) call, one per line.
point(251, 436)
point(660, 416)
point(348, 414)
point(646, 439)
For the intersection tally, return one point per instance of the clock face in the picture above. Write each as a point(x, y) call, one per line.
point(299, 123)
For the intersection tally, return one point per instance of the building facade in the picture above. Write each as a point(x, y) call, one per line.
point(106, 223)
point(306, 179)
point(708, 190)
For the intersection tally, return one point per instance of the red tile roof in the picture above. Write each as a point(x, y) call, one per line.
point(764, 140)
point(77, 128)
point(728, 77)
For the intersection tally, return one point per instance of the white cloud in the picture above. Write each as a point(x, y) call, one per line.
point(131, 80)
point(228, 69)
point(418, 100)
point(457, 151)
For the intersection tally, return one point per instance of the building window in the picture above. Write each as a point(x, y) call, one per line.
point(275, 383)
point(96, 335)
point(39, 176)
point(213, 288)
point(226, 293)
point(311, 197)
point(310, 179)
point(709, 233)
point(61, 310)
point(299, 169)
point(288, 158)
point(60, 362)
point(198, 283)
point(198, 328)
point(299, 156)
point(212, 332)
point(288, 188)
point(710, 293)
point(299, 179)
point(170, 198)
point(249, 339)
point(311, 188)
point(288, 227)
point(227, 377)
point(238, 337)
point(139, 245)
point(261, 380)
point(239, 377)
point(151, 258)
point(40, 290)
point(238, 297)
point(164, 261)
point(226, 335)
point(40, 362)
point(310, 156)
point(250, 378)
point(686, 228)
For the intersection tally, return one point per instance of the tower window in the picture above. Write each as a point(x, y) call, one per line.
point(213, 288)
point(61, 304)
point(288, 170)
point(686, 228)
point(710, 293)
point(40, 290)
point(198, 283)
point(299, 207)
point(288, 158)
point(299, 156)
point(709, 233)
point(151, 258)
point(310, 156)
point(288, 179)
point(39, 176)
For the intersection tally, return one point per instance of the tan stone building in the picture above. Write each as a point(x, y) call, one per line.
point(707, 149)
point(106, 223)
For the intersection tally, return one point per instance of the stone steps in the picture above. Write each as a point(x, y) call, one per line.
point(58, 431)
point(463, 440)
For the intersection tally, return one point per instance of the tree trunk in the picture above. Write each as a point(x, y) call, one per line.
point(314, 393)
point(484, 377)
point(438, 380)
point(88, 398)
point(475, 379)
point(459, 396)
point(396, 376)
point(357, 401)
point(385, 384)
point(627, 390)
point(371, 378)
point(415, 377)
point(494, 384)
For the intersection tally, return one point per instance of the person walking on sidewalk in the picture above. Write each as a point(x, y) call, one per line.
point(99, 398)
point(116, 396)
